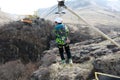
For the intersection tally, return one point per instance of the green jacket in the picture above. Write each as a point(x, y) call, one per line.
point(61, 33)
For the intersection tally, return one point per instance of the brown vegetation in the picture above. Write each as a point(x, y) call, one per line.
point(18, 41)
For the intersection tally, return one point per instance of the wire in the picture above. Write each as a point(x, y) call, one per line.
point(50, 12)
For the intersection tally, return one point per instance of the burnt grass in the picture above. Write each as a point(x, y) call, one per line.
point(27, 43)
point(19, 41)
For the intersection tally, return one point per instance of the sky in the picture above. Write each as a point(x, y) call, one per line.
point(24, 6)
point(113, 0)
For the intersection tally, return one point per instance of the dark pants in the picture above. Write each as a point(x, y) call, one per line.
point(67, 50)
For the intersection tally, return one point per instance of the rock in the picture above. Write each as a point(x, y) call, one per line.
point(76, 57)
point(116, 49)
point(93, 48)
point(101, 52)
point(113, 48)
point(109, 64)
point(110, 46)
point(83, 59)
point(60, 72)
point(49, 59)
point(84, 52)
point(46, 73)
point(80, 59)
point(79, 77)
point(42, 74)
point(82, 68)
point(64, 77)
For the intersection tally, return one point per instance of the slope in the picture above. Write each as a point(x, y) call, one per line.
point(4, 18)
point(93, 11)
point(88, 58)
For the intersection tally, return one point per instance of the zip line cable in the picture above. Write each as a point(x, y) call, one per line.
point(51, 12)
point(55, 9)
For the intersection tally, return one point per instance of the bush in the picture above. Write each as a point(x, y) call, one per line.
point(19, 41)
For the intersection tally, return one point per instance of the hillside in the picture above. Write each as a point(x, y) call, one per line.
point(106, 4)
point(87, 58)
point(95, 12)
point(21, 48)
point(24, 50)
point(4, 18)
point(29, 51)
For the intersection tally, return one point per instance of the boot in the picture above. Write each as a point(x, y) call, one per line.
point(63, 62)
point(70, 61)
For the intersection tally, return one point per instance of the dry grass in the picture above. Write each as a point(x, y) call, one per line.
point(18, 41)
point(15, 70)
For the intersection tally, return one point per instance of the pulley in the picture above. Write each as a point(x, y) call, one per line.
point(61, 3)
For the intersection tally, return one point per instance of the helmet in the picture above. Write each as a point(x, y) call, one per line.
point(58, 20)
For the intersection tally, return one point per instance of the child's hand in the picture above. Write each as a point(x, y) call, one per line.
point(68, 40)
